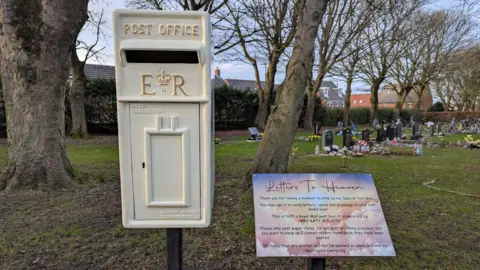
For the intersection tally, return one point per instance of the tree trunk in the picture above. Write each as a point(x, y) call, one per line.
point(309, 110)
point(311, 94)
point(274, 149)
point(264, 99)
point(401, 98)
point(374, 101)
point(35, 42)
point(419, 94)
point(348, 93)
point(76, 96)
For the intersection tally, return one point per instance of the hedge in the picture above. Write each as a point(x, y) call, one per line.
point(328, 116)
point(234, 109)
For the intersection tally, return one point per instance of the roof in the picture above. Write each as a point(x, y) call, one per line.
point(99, 71)
point(388, 95)
point(218, 82)
point(329, 84)
point(238, 84)
point(360, 100)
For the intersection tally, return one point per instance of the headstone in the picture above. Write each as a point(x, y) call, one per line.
point(453, 124)
point(419, 129)
point(317, 150)
point(399, 129)
point(254, 134)
point(347, 138)
point(375, 123)
point(432, 130)
point(365, 135)
point(327, 138)
point(414, 132)
point(380, 135)
point(317, 129)
point(390, 132)
point(439, 127)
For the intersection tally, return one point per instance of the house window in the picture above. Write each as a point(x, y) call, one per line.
point(325, 91)
point(384, 105)
point(361, 101)
point(354, 102)
point(409, 105)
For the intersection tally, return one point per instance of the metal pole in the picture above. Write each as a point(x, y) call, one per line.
point(174, 249)
point(316, 264)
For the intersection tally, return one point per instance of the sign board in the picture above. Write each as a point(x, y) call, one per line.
point(319, 215)
point(162, 68)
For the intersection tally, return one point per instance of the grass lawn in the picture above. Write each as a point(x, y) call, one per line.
point(80, 227)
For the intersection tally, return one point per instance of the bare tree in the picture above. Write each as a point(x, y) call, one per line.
point(36, 39)
point(343, 22)
point(264, 29)
point(446, 32)
point(348, 70)
point(444, 88)
point(382, 38)
point(411, 52)
point(465, 76)
point(274, 149)
point(78, 85)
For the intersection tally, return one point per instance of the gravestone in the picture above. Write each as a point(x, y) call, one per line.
point(439, 128)
point(317, 129)
point(432, 130)
point(419, 128)
point(399, 129)
point(327, 138)
point(254, 134)
point(347, 137)
point(390, 132)
point(365, 135)
point(380, 135)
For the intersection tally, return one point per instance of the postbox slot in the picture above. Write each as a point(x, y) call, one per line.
point(162, 57)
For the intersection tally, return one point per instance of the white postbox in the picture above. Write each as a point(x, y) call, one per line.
point(162, 66)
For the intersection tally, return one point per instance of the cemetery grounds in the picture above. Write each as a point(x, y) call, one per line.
point(80, 227)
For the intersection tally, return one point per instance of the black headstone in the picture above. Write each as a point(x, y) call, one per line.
point(432, 131)
point(380, 135)
point(347, 137)
point(365, 135)
point(390, 132)
point(399, 129)
point(327, 138)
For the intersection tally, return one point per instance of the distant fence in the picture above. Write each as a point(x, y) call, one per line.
point(448, 116)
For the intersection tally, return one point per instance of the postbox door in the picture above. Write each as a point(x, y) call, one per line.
point(166, 160)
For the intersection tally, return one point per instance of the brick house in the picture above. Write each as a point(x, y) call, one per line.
point(387, 98)
point(360, 101)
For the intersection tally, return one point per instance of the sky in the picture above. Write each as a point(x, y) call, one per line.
point(232, 70)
